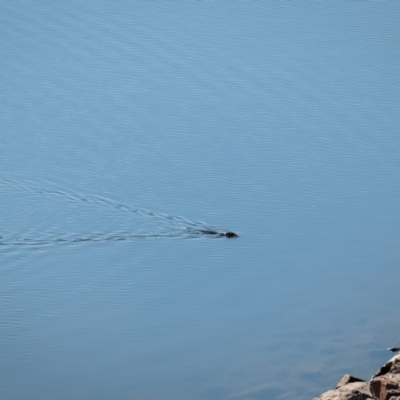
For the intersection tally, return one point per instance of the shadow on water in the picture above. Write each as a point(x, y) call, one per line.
point(168, 226)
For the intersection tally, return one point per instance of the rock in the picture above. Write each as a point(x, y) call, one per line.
point(350, 391)
point(385, 387)
point(348, 379)
point(392, 366)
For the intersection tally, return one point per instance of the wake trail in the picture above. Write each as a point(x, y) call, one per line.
point(178, 227)
point(99, 201)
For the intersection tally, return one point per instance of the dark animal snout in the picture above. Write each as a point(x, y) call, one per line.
point(231, 235)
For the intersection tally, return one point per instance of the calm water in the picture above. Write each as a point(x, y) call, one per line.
point(127, 127)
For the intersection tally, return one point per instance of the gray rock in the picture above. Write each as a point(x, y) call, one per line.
point(392, 366)
point(351, 391)
point(385, 387)
point(348, 379)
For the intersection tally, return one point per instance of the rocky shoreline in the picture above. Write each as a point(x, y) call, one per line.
point(384, 385)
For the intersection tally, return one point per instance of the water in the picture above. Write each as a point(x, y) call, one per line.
point(127, 128)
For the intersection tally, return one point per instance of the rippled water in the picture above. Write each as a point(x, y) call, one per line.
point(100, 215)
point(129, 128)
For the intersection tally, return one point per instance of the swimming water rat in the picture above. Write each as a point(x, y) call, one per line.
point(229, 235)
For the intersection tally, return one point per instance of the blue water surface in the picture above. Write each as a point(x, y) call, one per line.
point(130, 126)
